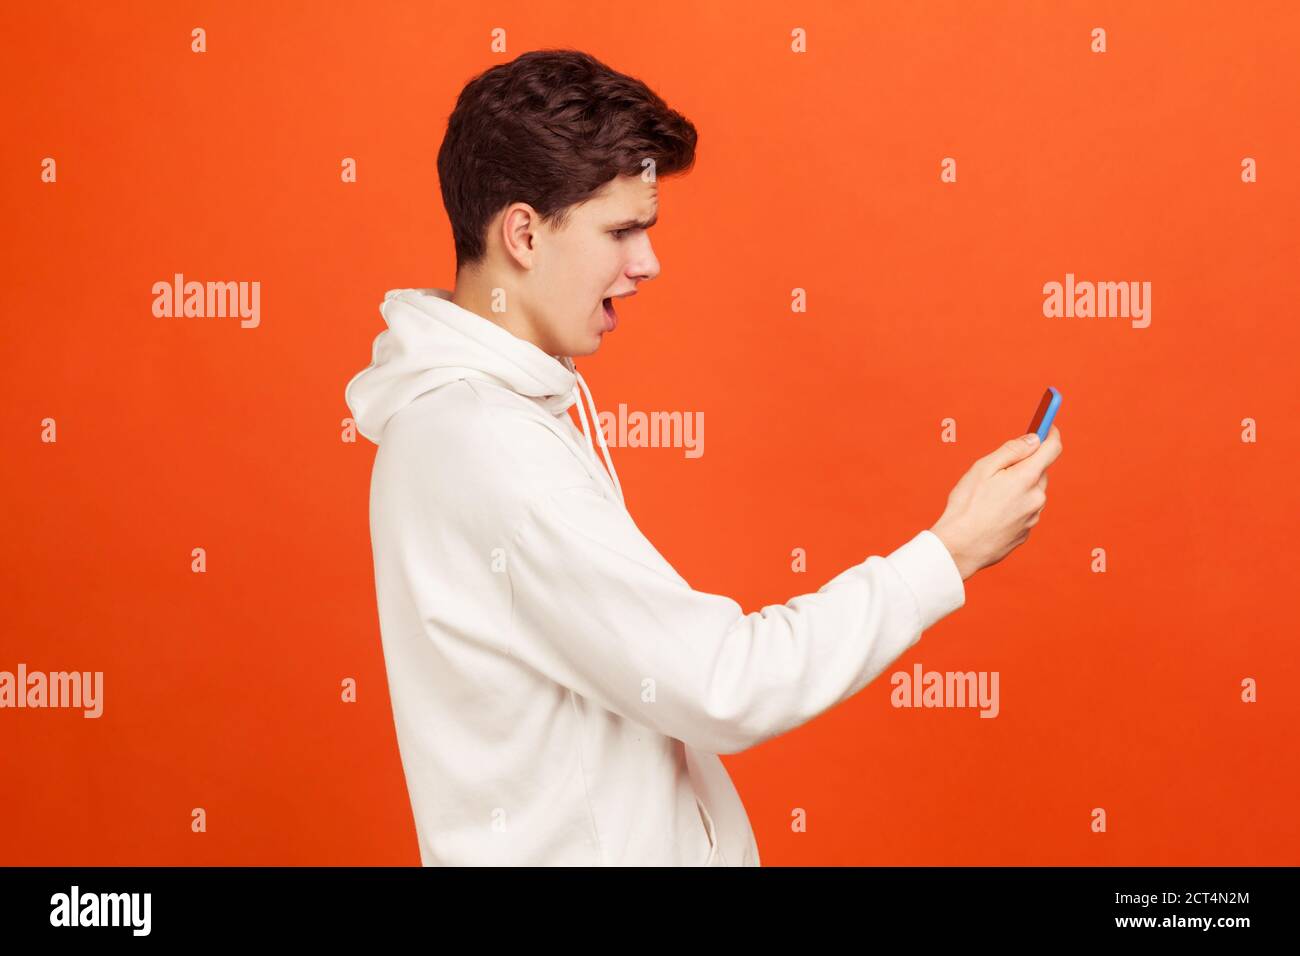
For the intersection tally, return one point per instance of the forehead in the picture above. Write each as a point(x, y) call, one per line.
point(627, 194)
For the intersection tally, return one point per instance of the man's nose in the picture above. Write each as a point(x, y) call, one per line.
point(645, 265)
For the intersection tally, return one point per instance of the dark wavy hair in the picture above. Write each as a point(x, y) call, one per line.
point(550, 128)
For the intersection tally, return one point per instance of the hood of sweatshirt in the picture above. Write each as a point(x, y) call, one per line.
point(431, 341)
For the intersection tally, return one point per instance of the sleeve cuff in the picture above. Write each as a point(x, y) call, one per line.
point(930, 573)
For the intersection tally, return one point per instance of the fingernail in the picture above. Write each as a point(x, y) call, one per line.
point(1031, 438)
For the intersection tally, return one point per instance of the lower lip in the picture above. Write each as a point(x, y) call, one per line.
point(611, 317)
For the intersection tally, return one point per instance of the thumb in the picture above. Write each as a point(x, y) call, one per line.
point(1012, 451)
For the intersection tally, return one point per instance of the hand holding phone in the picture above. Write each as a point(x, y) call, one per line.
point(992, 509)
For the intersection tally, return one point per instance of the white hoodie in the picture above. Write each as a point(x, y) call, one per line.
point(560, 693)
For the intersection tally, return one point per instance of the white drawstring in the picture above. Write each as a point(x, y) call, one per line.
point(577, 398)
point(600, 432)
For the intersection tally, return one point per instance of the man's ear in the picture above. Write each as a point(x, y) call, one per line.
point(519, 225)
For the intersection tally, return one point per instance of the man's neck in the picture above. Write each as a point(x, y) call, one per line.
point(475, 292)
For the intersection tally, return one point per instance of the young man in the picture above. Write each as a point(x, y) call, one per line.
point(560, 693)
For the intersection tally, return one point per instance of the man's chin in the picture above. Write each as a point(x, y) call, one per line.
point(589, 347)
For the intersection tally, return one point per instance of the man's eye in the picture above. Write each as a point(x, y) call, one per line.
point(620, 233)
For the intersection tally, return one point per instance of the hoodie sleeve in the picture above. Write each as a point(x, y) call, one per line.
point(598, 610)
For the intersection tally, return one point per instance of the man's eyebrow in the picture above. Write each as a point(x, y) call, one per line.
point(636, 223)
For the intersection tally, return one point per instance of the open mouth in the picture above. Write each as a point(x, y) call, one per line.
point(611, 317)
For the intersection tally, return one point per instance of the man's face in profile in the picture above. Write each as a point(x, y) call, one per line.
point(601, 253)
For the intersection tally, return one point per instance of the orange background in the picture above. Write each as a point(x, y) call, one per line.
point(818, 171)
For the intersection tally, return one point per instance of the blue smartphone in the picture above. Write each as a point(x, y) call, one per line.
point(1042, 420)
